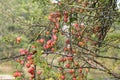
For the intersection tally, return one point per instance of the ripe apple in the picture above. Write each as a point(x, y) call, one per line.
point(28, 65)
point(39, 72)
point(62, 77)
point(74, 79)
point(67, 65)
point(41, 41)
point(17, 74)
point(71, 71)
point(18, 39)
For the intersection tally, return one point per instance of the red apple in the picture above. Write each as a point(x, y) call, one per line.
point(17, 74)
point(28, 65)
point(18, 39)
point(67, 65)
point(39, 72)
